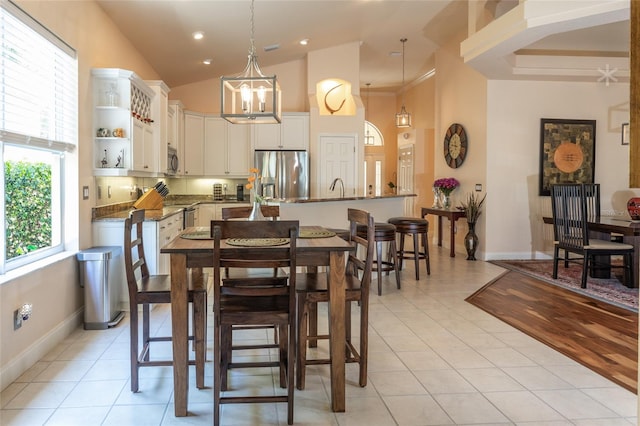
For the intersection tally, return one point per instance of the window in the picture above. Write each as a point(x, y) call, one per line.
point(38, 124)
point(372, 136)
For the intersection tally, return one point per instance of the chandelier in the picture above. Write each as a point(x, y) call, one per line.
point(403, 118)
point(251, 97)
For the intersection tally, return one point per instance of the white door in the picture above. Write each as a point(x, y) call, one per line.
point(405, 177)
point(338, 160)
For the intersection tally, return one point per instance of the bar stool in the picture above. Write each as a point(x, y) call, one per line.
point(415, 227)
point(384, 233)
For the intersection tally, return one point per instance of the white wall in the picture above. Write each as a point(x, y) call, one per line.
point(514, 226)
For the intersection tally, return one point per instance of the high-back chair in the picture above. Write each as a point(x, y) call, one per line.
point(146, 289)
point(311, 288)
point(258, 300)
point(571, 234)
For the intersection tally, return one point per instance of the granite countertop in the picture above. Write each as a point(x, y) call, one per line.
point(321, 200)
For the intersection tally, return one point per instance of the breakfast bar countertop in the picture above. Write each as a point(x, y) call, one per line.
point(324, 200)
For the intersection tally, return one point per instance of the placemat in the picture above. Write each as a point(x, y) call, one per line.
point(316, 233)
point(198, 235)
point(257, 242)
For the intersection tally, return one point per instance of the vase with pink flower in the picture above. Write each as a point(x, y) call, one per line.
point(256, 199)
point(445, 187)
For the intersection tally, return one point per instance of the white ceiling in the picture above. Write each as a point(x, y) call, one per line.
point(162, 32)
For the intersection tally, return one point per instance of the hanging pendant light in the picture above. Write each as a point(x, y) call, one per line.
point(251, 97)
point(403, 118)
point(369, 139)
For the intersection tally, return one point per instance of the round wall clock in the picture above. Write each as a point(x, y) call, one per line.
point(455, 145)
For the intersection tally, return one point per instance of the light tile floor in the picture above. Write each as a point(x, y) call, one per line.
point(434, 360)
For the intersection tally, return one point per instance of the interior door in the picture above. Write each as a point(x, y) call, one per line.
point(338, 160)
point(406, 177)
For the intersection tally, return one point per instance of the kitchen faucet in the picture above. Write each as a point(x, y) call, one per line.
point(333, 186)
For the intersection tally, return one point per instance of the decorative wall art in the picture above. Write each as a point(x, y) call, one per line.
point(567, 152)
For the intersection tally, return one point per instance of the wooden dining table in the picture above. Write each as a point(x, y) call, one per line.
point(189, 254)
point(602, 227)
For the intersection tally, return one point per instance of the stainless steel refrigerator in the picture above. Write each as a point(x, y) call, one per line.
point(285, 174)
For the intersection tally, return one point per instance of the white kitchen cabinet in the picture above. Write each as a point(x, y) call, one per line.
point(166, 230)
point(121, 101)
point(292, 133)
point(193, 143)
point(145, 154)
point(206, 213)
point(227, 148)
point(176, 131)
point(160, 125)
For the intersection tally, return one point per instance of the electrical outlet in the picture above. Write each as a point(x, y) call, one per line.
point(109, 191)
point(17, 320)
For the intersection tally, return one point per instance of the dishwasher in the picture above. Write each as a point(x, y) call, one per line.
point(189, 217)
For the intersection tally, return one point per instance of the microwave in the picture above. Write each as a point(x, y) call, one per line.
point(172, 161)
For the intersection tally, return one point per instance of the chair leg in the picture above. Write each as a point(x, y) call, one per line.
point(301, 359)
point(364, 343)
point(290, 338)
point(394, 254)
point(226, 341)
point(217, 371)
point(585, 269)
point(378, 262)
point(133, 346)
point(347, 329)
point(311, 311)
point(283, 354)
point(556, 259)
point(416, 255)
point(425, 246)
point(401, 249)
point(200, 335)
point(145, 330)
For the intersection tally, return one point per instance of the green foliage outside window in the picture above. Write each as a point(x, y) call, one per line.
point(27, 207)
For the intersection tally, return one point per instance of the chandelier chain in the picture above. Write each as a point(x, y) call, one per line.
point(403, 40)
point(252, 50)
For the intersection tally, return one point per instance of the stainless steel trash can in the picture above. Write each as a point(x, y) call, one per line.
point(101, 275)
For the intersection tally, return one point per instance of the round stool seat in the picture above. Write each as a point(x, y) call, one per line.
point(415, 227)
point(383, 231)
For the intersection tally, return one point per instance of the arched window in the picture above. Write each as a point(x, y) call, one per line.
point(372, 136)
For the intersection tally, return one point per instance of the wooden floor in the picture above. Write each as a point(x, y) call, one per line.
point(600, 336)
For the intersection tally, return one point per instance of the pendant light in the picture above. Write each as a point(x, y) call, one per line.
point(251, 97)
point(403, 118)
point(368, 137)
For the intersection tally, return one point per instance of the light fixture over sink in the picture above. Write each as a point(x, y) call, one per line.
point(251, 97)
point(403, 118)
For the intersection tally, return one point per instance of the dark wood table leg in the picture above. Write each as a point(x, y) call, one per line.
point(180, 332)
point(452, 243)
point(440, 231)
point(336, 329)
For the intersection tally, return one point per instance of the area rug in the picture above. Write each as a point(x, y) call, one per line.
point(609, 290)
point(601, 336)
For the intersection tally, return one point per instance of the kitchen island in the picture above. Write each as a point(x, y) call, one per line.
point(332, 212)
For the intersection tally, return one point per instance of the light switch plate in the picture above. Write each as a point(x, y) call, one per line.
point(478, 187)
point(85, 192)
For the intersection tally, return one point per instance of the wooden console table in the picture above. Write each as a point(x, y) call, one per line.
point(453, 215)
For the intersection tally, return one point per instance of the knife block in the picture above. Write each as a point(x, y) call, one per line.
point(150, 200)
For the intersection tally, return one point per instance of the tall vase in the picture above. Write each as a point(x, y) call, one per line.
point(256, 212)
point(446, 200)
point(471, 241)
point(436, 198)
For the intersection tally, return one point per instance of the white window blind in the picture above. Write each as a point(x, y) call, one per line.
point(38, 94)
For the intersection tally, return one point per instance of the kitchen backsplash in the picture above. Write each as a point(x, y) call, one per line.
point(113, 190)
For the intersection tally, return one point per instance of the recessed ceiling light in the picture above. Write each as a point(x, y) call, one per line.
point(271, 47)
point(198, 35)
point(207, 61)
point(304, 41)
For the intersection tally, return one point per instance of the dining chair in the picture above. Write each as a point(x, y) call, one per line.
point(146, 289)
point(311, 289)
point(571, 234)
point(257, 300)
point(243, 212)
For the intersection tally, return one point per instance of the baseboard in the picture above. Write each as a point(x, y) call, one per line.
point(35, 352)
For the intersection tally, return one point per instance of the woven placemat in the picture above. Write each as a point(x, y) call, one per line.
point(257, 242)
point(316, 233)
point(198, 235)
